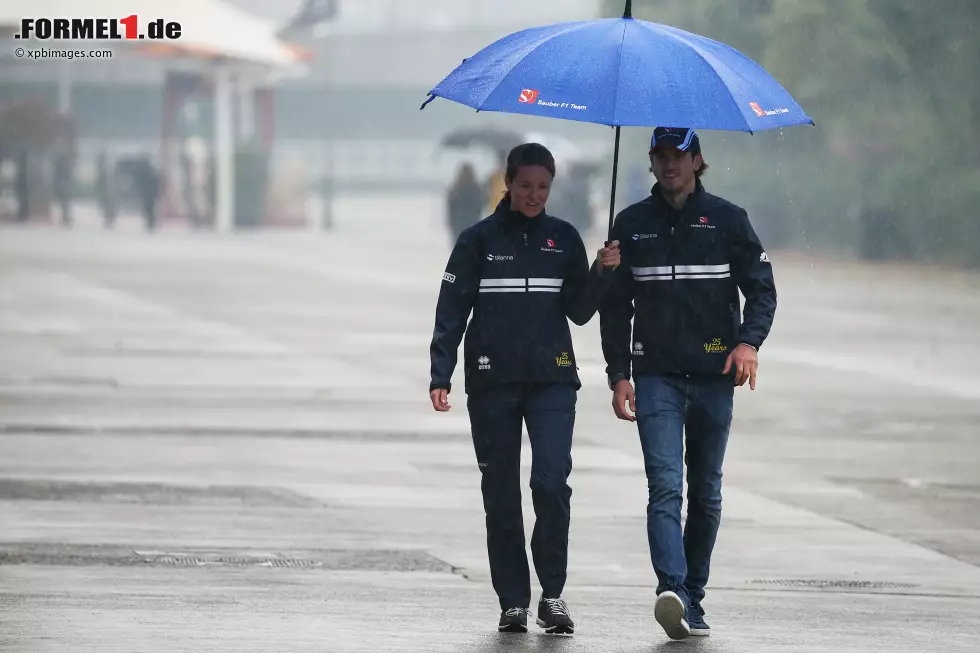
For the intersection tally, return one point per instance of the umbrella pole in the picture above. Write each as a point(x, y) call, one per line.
point(612, 195)
point(627, 13)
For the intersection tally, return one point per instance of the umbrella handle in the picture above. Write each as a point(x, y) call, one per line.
point(612, 194)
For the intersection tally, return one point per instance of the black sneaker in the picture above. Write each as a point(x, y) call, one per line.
point(695, 620)
point(554, 618)
point(513, 620)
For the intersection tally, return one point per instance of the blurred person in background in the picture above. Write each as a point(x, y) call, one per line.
point(686, 256)
point(572, 199)
point(496, 185)
point(105, 189)
point(194, 158)
point(64, 183)
point(147, 184)
point(465, 201)
point(523, 273)
point(22, 186)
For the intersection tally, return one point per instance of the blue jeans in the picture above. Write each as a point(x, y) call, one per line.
point(666, 408)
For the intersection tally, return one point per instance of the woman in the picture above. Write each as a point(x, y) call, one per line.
point(524, 274)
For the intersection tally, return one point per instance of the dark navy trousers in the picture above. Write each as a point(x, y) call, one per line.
point(496, 418)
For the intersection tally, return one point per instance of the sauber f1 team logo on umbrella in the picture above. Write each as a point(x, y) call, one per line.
point(759, 111)
point(528, 96)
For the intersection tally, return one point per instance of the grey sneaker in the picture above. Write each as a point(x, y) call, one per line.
point(554, 617)
point(669, 612)
point(513, 620)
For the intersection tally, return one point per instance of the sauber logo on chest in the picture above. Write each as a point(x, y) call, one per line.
point(550, 246)
point(703, 223)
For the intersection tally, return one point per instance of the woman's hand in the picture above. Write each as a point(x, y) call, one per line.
point(609, 255)
point(440, 400)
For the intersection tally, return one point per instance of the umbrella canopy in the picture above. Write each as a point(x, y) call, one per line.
point(622, 72)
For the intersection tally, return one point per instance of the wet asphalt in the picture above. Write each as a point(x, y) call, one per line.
point(217, 442)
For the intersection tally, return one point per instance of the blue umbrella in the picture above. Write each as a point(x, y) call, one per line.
point(622, 72)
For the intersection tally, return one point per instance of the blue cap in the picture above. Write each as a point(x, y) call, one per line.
point(682, 138)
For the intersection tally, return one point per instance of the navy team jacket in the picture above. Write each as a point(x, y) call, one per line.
point(674, 307)
point(523, 279)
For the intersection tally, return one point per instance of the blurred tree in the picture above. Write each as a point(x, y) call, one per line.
point(893, 167)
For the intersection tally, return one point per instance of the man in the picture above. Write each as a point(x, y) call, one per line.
point(686, 255)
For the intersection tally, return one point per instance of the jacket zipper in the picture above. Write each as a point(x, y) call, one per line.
point(672, 260)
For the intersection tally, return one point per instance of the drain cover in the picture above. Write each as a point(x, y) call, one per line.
point(226, 561)
point(151, 493)
point(329, 559)
point(836, 584)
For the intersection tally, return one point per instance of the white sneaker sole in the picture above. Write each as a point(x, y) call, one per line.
point(700, 632)
point(669, 612)
point(556, 630)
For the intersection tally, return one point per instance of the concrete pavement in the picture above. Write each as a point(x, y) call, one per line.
point(223, 443)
